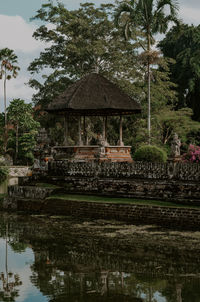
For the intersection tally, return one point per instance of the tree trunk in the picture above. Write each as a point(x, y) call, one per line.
point(5, 113)
point(5, 75)
point(17, 142)
point(149, 88)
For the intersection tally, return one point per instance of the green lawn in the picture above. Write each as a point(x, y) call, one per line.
point(93, 198)
point(46, 185)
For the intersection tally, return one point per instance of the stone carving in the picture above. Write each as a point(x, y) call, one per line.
point(42, 137)
point(102, 141)
point(42, 152)
point(175, 146)
point(136, 170)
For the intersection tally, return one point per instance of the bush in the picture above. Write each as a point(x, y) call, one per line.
point(3, 174)
point(150, 154)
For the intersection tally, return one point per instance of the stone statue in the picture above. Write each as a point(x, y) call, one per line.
point(175, 146)
point(102, 141)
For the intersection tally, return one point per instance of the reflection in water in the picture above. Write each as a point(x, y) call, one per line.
point(73, 261)
point(10, 281)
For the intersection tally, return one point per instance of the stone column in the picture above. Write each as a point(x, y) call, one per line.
point(66, 130)
point(84, 131)
point(105, 129)
point(120, 132)
point(79, 132)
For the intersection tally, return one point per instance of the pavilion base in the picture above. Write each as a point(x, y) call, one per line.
point(90, 153)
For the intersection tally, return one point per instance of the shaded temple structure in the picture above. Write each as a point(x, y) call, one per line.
point(93, 95)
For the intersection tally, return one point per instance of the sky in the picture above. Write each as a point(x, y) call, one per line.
point(16, 31)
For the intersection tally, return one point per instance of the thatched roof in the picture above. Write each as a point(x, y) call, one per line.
point(94, 95)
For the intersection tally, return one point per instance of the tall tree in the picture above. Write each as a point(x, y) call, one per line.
point(9, 69)
point(20, 116)
point(81, 41)
point(147, 17)
point(182, 43)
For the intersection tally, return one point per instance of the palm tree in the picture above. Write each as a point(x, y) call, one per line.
point(8, 70)
point(148, 17)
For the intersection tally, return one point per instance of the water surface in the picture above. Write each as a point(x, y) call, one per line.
point(64, 259)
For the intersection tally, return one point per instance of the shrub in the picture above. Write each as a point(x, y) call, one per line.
point(3, 174)
point(192, 155)
point(150, 154)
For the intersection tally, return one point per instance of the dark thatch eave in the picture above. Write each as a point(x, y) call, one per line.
point(93, 95)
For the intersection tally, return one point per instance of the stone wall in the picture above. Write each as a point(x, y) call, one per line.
point(29, 192)
point(178, 182)
point(136, 214)
point(169, 190)
point(176, 171)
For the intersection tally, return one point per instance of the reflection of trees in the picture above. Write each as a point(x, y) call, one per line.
point(65, 279)
point(78, 267)
point(10, 282)
point(82, 286)
point(182, 289)
point(9, 290)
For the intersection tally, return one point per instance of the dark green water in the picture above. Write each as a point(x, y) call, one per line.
point(56, 259)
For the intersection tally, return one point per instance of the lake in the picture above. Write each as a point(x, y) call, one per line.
point(57, 259)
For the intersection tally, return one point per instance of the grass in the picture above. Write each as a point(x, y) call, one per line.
point(46, 185)
point(99, 199)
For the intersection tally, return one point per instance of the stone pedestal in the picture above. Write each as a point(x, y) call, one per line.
point(175, 159)
point(90, 153)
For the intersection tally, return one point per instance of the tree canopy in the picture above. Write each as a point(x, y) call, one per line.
point(20, 117)
point(79, 42)
point(147, 18)
point(182, 44)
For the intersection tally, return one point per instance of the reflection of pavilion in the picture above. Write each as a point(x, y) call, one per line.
point(93, 95)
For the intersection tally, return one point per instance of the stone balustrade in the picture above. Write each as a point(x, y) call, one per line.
point(163, 171)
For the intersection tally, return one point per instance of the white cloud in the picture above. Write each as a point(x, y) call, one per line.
point(75, 4)
point(190, 15)
point(16, 88)
point(16, 34)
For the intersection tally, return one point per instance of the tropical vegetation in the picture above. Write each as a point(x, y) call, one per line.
point(118, 41)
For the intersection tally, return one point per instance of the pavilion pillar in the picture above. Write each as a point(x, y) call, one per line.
point(79, 132)
point(66, 130)
point(84, 130)
point(121, 132)
point(105, 120)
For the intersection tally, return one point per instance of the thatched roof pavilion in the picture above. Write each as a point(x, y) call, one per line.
point(94, 95)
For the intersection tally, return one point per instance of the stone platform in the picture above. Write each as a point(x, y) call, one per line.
point(90, 153)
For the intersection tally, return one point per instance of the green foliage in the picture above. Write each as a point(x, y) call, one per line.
point(168, 122)
point(140, 21)
point(22, 137)
point(148, 17)
point(20, 115)
point(8, 70)
point(150, 153)
point(26, 146)
point(3, 174)
point(182, 44)
point(81, 41)
point(8, 60)
point(86, 39)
